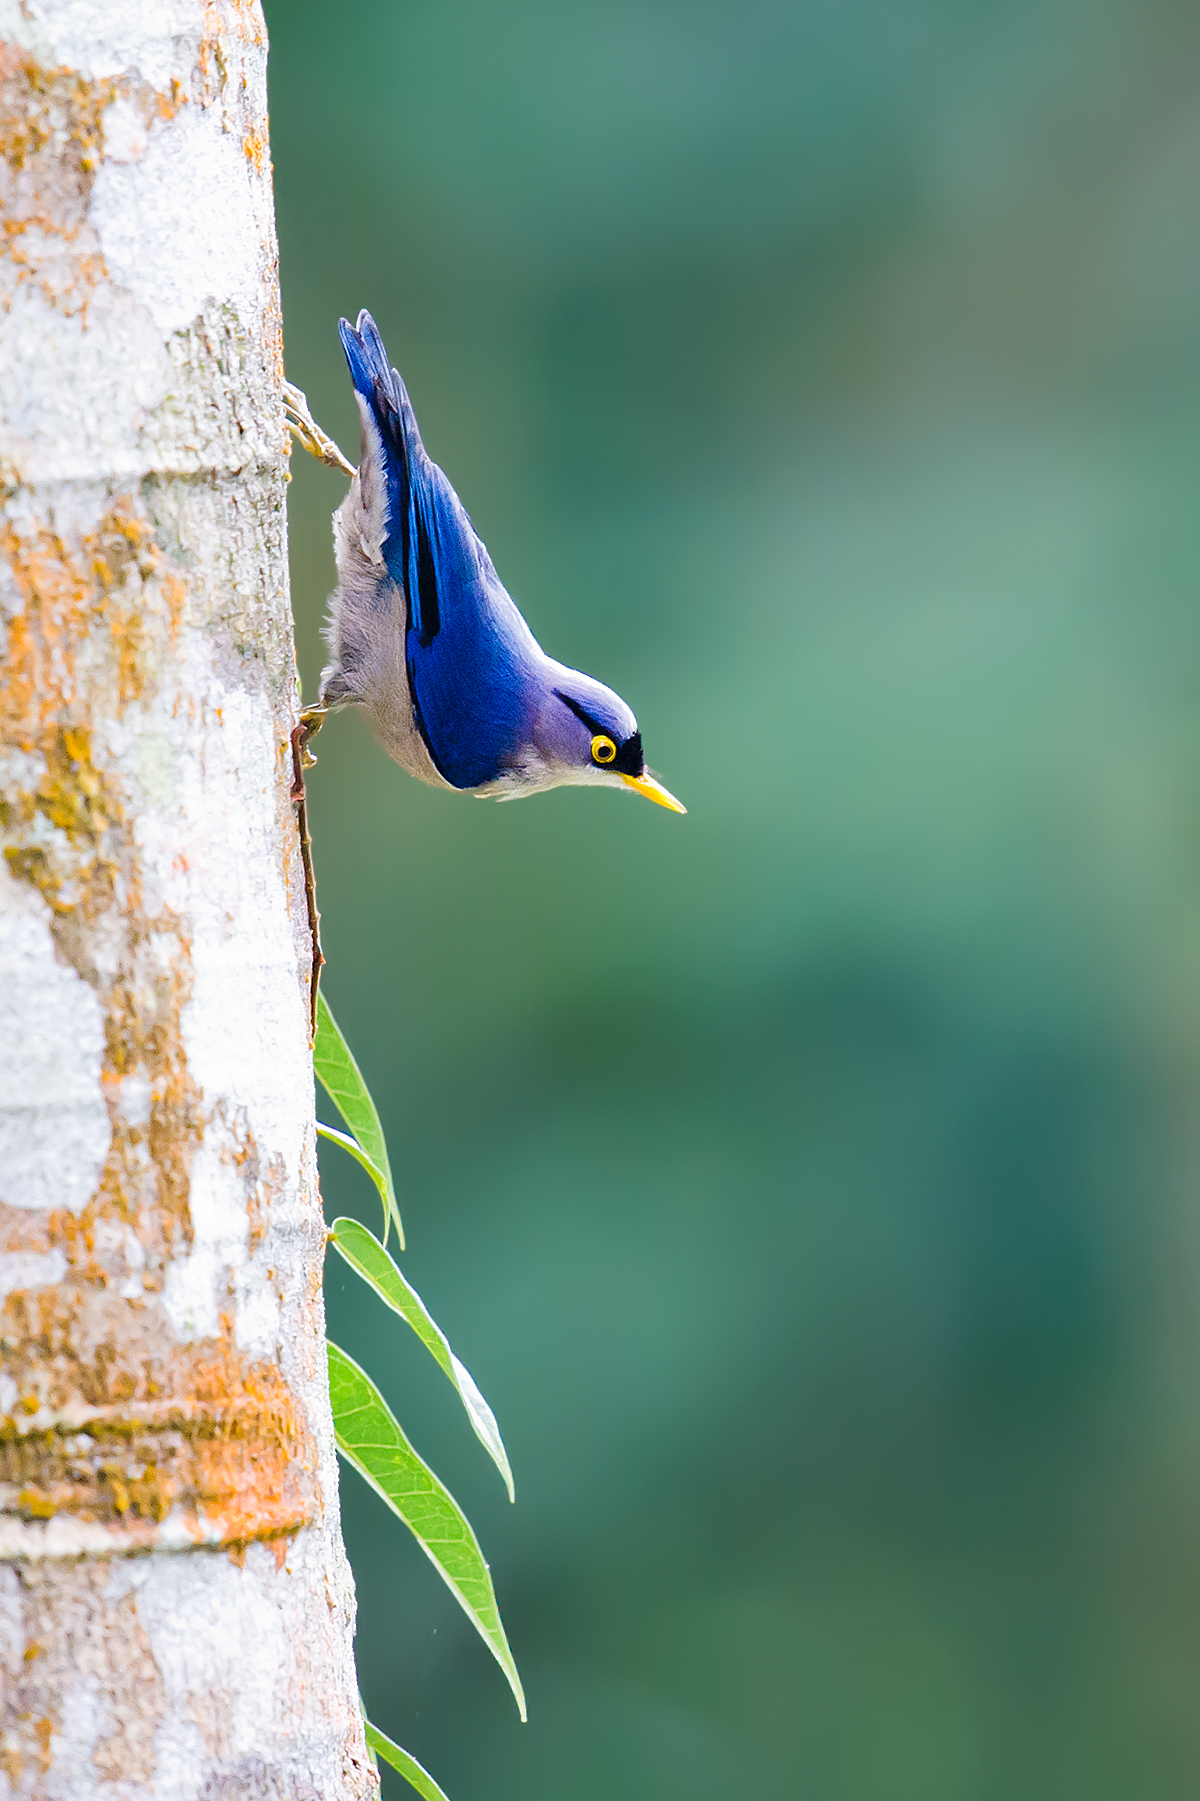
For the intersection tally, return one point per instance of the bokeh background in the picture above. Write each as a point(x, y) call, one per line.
point(811, 1183)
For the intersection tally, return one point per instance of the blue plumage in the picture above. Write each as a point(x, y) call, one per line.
point(425, 637)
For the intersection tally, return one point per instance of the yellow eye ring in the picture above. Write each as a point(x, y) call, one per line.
point(603, 749)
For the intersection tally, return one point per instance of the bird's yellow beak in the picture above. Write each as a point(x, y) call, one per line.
point(646, 784)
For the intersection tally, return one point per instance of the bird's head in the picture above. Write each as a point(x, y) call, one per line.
point(588, 735)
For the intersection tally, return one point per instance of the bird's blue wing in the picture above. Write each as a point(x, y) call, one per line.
point(425, 543)
point(467, 648)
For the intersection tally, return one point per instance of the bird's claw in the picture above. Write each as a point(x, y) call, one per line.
point(306, 431)
point(310, 723)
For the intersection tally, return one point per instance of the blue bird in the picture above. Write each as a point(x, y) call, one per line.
point(424, 636)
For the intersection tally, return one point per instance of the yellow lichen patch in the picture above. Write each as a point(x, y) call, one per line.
point(59, 110)
point(53, 617)
point(72, 796)
point(114, 1420)
point(61, 259)
point(112, 580)
point(55, 107)
point(256, 144)
point(168, 102)
point(11, 1761)
point(104, 587)
point(240, 20)
point(231, 1457)
point(113, 599)
point(233, 42)
point(72, 872)
point(33, 1504)
point(146, 1177)
point(52, 142)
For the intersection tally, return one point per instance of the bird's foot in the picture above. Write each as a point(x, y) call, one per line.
point(306, 431)
point(311, 721)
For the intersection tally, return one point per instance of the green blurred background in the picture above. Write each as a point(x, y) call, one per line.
point(808, 1183)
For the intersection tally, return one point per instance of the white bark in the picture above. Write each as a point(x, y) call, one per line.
point(175, 1607)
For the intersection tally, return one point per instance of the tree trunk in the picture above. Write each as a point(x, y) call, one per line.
point(176, 1611)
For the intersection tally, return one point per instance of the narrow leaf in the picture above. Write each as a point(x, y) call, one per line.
point(364, 1253)
point(360, 1156)
point(407, 1765)
point(369, 1436)
point(342, 1081)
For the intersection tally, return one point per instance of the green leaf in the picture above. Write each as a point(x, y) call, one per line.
point(369, 1436)
point(342, 1081)
point(408, 1766)
point(360, 1156)
point(364, 1253)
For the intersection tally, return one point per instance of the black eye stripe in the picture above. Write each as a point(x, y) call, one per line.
point(581, 713)
point(629, 759)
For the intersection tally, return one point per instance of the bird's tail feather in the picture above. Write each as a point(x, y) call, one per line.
point(365, 354)
point(378, 383)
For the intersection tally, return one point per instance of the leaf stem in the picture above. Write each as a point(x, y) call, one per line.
point(302, 758)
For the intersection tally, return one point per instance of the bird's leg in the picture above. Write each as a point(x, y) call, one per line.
point(311, 721)
point(306, 430)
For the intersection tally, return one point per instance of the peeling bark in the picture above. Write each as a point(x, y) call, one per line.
point(176, 1611)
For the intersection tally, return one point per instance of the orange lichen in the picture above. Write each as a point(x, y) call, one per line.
point(11, 1761)
point(43, 1732)
point(118, 1423)
point(241, 20)
point(195, 1429)
point(52, 123)
point(63, 262)
point(67, 595)
point(59, 110)
point(56, 107)
point(148, 1165)
point(51, 138)
point(115, 1422)
point(168, 103)
point(256, 145)
point(109, 580)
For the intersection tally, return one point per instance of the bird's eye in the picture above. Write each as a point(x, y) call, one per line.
point(603, 749)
